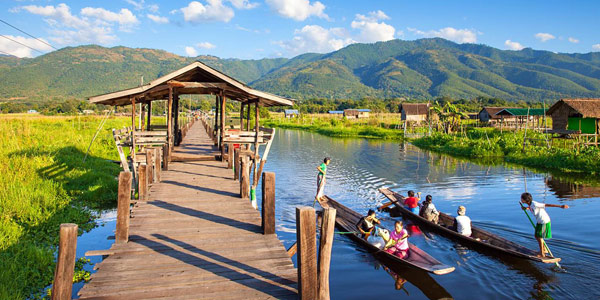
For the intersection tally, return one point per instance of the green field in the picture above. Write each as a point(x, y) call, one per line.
point(43, 183)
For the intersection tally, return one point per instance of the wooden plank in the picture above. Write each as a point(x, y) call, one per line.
point(65, 263)
point(307, 253)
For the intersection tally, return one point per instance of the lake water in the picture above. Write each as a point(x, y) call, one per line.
point(491, 194)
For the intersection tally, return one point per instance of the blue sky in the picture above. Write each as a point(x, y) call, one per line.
point(253, 29)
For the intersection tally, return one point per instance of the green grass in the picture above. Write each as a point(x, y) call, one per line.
point(43, 183)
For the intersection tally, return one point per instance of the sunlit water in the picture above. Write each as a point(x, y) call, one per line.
point(491, 194)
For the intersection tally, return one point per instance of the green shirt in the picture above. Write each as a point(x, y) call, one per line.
point(324, 168)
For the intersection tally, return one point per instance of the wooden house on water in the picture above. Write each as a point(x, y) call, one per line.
point(418, 112)
point(521, 117)
point(357, 113)
point(489, 114)
point(575, 116)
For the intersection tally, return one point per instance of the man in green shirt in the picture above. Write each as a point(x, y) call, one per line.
point(321, 177)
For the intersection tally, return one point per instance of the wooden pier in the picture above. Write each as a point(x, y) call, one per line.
point(195, 238)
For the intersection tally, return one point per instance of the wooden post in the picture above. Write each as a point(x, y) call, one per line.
point(170, 117)
point(268, 203)
point(142, 183)
point(236, 164)
point(165, 153)
point(242, 116)
point(132, 113)
point(156, 165)
point(222, 134)
point(229, 156)
point(327, 229)
point(256, 131)
point(149, 167)
point(176, 132)
point(65, 264)
point(124, 198)
point(307, 253)
point(245, 184)
point(149, 115)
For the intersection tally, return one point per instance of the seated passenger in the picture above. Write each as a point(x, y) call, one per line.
point(399, 239)
point(428, 210)
point(462, 223)
point(366, 224)
point(412, 202)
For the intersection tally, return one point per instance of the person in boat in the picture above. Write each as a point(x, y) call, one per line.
point(412, 202)
point(543, 230)
point(428, 210)
point(321, 177)
point(462, 223)
point(400, 241)
point(366, 224)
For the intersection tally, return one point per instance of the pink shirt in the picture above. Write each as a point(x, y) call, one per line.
point(401, 245)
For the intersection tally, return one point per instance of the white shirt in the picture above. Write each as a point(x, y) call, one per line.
point(463, 225)
point(539, 211)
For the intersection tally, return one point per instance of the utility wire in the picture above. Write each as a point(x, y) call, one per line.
point(28, 34)
point(6, 53)
point(21, 43)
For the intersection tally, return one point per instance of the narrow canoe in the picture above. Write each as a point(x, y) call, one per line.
point(479, 239)
point(346, 220)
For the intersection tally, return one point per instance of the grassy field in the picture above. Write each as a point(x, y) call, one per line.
point(43, 183)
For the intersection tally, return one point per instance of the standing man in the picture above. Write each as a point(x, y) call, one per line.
point(321, 178)
point(542, 228)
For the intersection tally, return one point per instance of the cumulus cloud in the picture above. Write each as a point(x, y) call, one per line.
point(190, 51)
point(573, 40)
point(544, 37)
point(596, 47)
point(158, 19)
point(314, 38)
point(298, 10)
point(513, 45)
point(212, 11)
point(243, 4)
point(205, 45)
point(12, 48)
point(93, 25)
point(371, 30)
point(449, 33)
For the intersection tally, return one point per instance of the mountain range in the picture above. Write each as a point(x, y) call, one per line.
point(419, 69)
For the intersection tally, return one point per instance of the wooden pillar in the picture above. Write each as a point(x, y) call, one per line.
point(222, 133)
point(217, 118)
point(149, 167)
point(65, 264)
point(156, 165)
point(170, 117)
point(176, 131)
point(123, 200)
point(142, 182)
point(245, 184)
point(307, 253)
point(132, 99)
point(242, 116)
point(229, 156)
point(268, 203)
point(149, 115)
point(248, 116)
point(256, 131)
point(165, 150)
point(325, 245)
point(236, 164)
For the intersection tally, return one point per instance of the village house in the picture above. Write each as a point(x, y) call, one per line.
point(489, 114)
point(356, 113)
point(291, 113)
point(417, 112)
point(575, 116)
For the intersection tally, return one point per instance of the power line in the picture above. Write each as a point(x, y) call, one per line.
point(28, 34)
point(6, 53)
point(21, 43)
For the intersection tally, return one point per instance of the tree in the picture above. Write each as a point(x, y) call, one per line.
point(450, 116)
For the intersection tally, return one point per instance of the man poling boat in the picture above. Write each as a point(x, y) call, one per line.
point(321, 178)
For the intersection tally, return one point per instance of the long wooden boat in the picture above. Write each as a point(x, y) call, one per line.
point(346, 220)
point(479, 239)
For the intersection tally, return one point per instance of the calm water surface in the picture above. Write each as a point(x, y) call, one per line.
point(491, 194)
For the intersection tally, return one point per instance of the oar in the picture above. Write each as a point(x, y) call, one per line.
point(543, 241)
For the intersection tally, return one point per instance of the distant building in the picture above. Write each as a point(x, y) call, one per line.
point(32, 111)
point(336, 112)
point(357, 113)
point(489, 114)
point(291, 113)
point(575, 116)
point(417, 112)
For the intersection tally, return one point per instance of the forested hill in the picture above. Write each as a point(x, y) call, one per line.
point(419, 69)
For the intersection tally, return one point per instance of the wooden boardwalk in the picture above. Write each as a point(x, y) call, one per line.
point(195, 238)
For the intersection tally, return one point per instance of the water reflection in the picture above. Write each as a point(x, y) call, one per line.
point(566, 189)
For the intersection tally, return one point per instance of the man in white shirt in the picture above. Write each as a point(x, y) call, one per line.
point(543, 230)
point(462, 223)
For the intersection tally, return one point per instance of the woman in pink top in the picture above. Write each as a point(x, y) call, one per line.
point(400, 245)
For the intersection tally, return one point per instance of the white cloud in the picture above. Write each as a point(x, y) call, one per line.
point(371, 30)
point(12, 48)
point(573, 40)
point(190, 51)
point(205, 45)
point(544, 37)
point(513, 45)
point(94, 25)
point(153, 8)
point(243, 4)
point(314, 38)
point(213, 11)
point(158, 19)
point(449, 33)
point(298, 10)
point(139, 5)
point(596, 46)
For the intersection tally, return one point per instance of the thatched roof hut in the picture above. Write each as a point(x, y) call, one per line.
point(575, 116)
point(414, 111)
